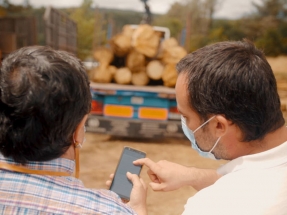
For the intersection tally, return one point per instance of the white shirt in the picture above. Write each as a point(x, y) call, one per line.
point(251, 185)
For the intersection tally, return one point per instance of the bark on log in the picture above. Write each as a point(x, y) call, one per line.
point(145, 40)
point(140, 78)
point(135, 61)
point(123, 76)
point(154, 70)
point(103, 55)
point(169, 75)
point(121, 44)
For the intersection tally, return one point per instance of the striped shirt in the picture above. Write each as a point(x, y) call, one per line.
point(40, 194)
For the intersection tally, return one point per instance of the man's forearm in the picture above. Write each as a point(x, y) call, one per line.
point(201, 178)
point(139, 209)
point(142, 211)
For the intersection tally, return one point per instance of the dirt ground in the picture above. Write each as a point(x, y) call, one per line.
point(101, 153)
point(279, 67)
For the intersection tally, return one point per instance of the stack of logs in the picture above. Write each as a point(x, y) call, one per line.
point(139, 57)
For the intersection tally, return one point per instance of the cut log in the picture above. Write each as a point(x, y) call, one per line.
point(173, 55)
point(137, 57)
point(154, 70)
point(103, 55)
point(123, 76)
point(167, 44)
point(121, 44)
point(140, 78)
point(169, 75)
point(145, 40)
point(135, 61)
point(128, 31)
point(103, 73)
point(112, 70)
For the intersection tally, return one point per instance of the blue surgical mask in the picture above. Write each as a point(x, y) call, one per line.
point(190, 135)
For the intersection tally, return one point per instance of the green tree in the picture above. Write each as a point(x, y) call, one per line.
point(196, 17)
point(270, 43)
point(282, 28)
point(120, 18)
point(173, 24)
point(267, 27)
point(231, 30)
point(85, 18)
point(177, 10)
point(12, 10)
point(274, 8)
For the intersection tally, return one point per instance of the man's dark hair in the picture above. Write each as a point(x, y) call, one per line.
point(234, 79)
point(44, 96)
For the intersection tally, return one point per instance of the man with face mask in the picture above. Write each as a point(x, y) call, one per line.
point(227, 95)
point(44, 102)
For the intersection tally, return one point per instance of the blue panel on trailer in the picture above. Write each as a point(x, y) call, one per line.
point(172, 103)
point(136, 93)
point(145, 105)
point(97, 97)
point(125, 93)
point(137, 101)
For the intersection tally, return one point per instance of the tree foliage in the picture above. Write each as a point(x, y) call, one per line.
point(274, 8)
point(266, 27)
point(10, 10)
point(190, 21)
point(119, 18)
point(271, 17)
point(194, 18)
point(173, 24)
point(85, 18)
point(270, 42)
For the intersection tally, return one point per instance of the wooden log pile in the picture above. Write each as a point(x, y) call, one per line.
point(138, 57)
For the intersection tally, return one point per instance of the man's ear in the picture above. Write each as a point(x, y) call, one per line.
point(79, 132)
point(222, 125)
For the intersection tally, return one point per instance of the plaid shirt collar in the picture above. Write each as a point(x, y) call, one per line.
point(57, 165)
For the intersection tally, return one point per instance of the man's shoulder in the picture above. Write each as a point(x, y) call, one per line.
point(241, 193)
point(274, 158)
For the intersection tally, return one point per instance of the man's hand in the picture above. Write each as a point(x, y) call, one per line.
point(168, 176)
point(109, 182)
point(165, 175)
point(138, 194)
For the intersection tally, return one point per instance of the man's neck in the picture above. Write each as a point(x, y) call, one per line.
point(271, 140)
point(70, 153)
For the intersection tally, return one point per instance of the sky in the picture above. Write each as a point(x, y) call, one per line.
point(230, 9)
